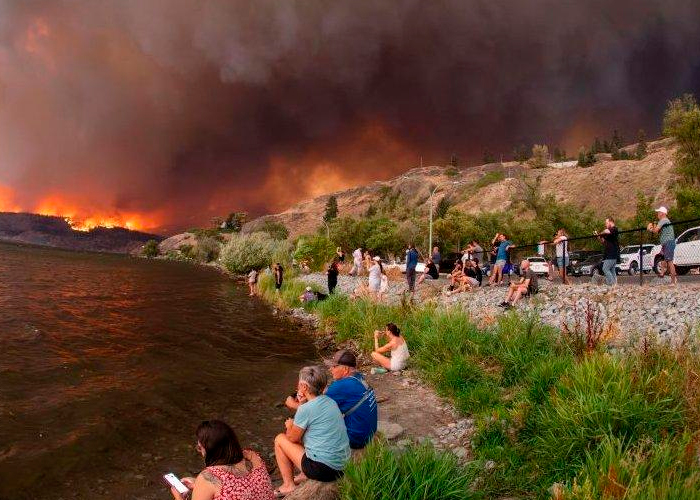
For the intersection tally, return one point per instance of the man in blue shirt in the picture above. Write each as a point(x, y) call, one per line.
point(504, 245)
point(411, 263)
point(353, 396)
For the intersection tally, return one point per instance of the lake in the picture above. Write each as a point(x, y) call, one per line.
point(108, 363)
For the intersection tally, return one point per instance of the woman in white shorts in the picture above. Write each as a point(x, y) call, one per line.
point(396, 345)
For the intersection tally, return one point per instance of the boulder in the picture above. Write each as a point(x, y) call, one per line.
point(314, 490)
point(389, 430)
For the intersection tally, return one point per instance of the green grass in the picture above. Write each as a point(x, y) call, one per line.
point(603, 425)
point(418, 473)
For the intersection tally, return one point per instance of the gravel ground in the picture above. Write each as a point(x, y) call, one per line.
point(626, 313)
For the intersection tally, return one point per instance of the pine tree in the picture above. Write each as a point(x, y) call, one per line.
point(331, 209)
point(521, 153)
point(641, 150)
point(488, 157)
point(616, 141)
point(597, 146)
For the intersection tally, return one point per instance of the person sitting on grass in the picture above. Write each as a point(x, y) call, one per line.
point(526, 286)
point(231, 473)
point(315, 441)
point(431, 272)
point(307, 296)
point(396, 345)
point(473, 271)
point(354, 397)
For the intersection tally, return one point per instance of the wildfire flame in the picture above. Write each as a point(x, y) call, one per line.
point(78, 215)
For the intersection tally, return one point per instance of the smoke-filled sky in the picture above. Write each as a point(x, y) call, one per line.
point(162, 113)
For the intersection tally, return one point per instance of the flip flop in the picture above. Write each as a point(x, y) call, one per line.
point(279, 494)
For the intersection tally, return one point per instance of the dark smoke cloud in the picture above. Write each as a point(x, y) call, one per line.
point(188, 108)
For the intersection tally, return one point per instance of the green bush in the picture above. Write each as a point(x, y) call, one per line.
point(244, 252)
point(150, 249)
point(207, 249)
point(418, 473)
point(187, 251)
point(317, 250)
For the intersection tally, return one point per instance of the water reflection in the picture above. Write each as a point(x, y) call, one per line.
point(107, 356)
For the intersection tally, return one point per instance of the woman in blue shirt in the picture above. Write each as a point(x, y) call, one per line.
point(316, 441)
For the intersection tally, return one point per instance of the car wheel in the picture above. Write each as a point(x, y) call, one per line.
point(657, 261)
point(634, 269)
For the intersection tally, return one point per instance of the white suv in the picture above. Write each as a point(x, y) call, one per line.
point(687, 254)
point(629, 259)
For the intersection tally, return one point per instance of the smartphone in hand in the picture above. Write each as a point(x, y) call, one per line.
point(172, 481)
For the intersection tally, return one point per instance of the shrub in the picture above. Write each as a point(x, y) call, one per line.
point(187, 251)
point(244, 252)
point(207, 249)
point(540, 156)
point(275, 229)
point(150, 249)
point(317, 250)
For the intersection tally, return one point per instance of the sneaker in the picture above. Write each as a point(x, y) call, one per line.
point(503, 304)
point(508, 306)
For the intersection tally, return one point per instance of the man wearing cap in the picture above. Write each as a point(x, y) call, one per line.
point(667, 239)
point(354, 397)
point(308, 295)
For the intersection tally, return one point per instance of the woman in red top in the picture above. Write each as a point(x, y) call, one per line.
point(232, 473)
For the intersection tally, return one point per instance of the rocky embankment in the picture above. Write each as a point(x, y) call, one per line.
point(623, 314)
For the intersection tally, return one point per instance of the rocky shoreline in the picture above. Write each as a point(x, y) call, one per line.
point(625, 314)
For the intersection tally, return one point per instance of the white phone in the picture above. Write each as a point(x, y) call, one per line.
point(172, 480)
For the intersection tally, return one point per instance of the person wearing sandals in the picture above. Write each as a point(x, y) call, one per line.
point(316, 440)
point(231, 473)
point(396, 344)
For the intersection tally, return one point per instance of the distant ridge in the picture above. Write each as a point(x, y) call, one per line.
point(52, 231)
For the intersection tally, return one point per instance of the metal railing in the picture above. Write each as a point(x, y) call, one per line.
point(640, 256)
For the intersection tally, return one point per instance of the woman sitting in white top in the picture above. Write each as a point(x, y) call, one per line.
point(396, 344)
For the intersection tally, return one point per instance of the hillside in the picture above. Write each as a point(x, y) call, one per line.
point(608, 187)
point(56, 232)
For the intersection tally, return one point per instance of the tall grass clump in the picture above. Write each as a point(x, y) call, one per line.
point(418, 473)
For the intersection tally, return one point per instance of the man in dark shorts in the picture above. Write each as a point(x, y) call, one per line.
point(526, 286)
point(667, 239)
point(411, 263)
point(611, 250)
point(278, 272)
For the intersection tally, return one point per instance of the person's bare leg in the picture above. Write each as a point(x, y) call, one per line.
point(382, 360)
point(672, 271)
point(288, 456)
point(564, 278)
point(518, 293)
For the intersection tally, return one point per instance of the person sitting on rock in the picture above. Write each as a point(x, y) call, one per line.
point(456, 275)
point(231, 473)
point(526, 286)
point(431, 272)
point(354, 397)
point(396, 344)
point(316, 440)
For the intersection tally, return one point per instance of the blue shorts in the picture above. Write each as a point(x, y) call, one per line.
point(500, 263)
point(668, 249)
point(561, 262)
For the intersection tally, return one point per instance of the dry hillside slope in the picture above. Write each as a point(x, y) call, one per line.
point(608, 187)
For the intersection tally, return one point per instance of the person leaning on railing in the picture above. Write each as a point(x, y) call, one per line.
point(667, 239)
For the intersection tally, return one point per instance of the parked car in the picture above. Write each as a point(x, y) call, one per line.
point(629, 259)
point(578, 256)
point(538, 265)
point(687, 255)
point(589, 267)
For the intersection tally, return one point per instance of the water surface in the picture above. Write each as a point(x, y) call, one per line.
point(107, 363)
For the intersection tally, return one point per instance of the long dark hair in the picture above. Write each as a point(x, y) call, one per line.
point(393, 329)
point(220, 443)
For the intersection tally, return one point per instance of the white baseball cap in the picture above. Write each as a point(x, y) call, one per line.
point(377, 258)
point(663, 210)
point(308, 288)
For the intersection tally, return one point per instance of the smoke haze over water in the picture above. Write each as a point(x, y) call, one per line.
point(176, 110)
